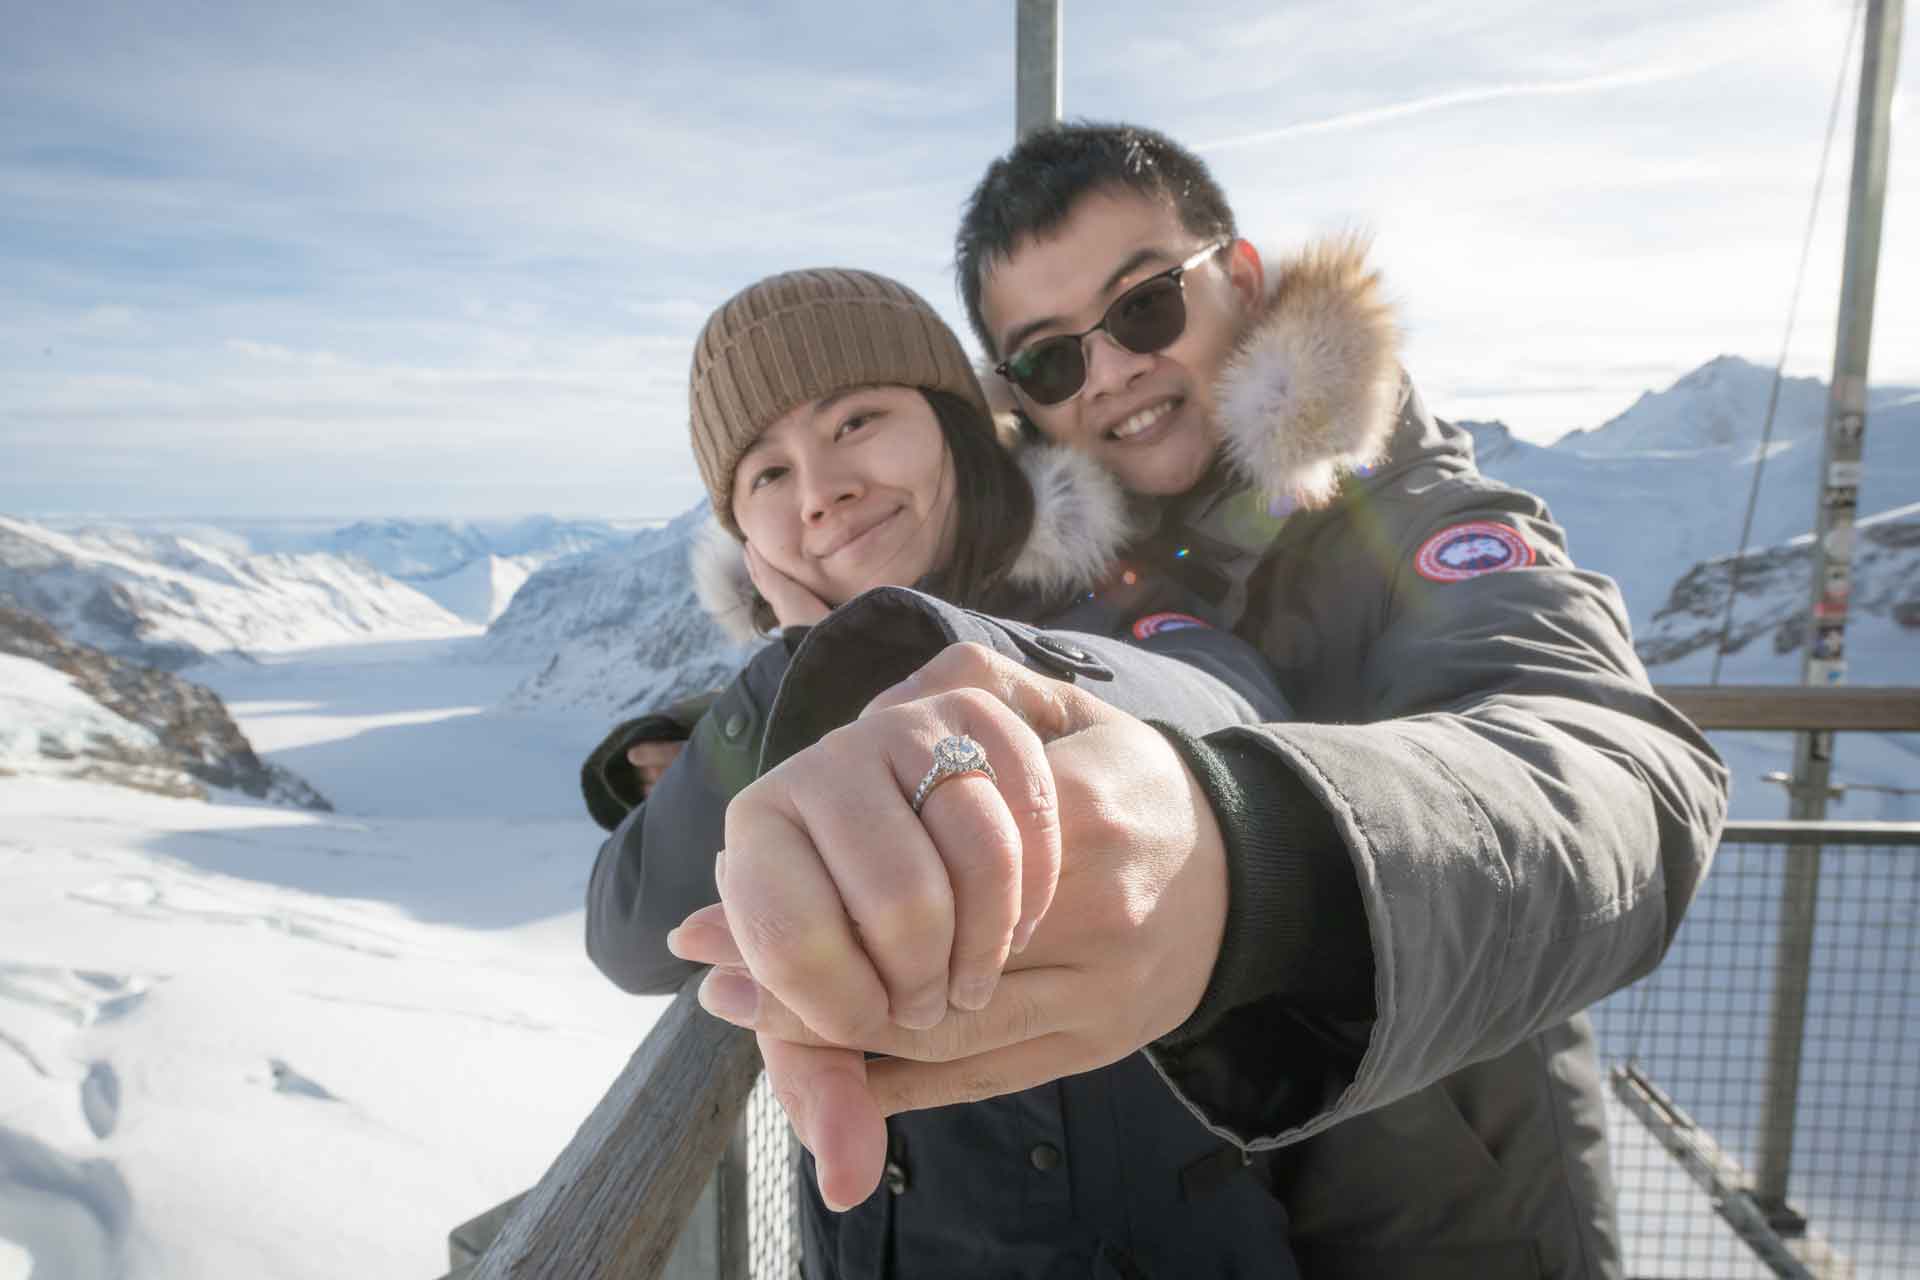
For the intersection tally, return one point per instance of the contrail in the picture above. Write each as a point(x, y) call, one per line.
point(1461, 97)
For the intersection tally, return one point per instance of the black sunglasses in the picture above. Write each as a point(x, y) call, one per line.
point(1149, 317)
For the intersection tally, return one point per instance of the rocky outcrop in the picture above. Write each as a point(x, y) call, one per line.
point(185, 740)
point(1774, 588)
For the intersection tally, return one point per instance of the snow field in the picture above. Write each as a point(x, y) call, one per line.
point(245, 1041)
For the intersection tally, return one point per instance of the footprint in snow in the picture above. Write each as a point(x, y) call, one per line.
point(287, 1080)
point(100, 1098)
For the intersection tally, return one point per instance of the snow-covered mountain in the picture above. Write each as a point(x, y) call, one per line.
point(619, 627)
point(70, 710)
point(471, 568)
point(1662, 488)
point(166, 601)
point(1652, 498)
point(1772, 606)
point(479, 590)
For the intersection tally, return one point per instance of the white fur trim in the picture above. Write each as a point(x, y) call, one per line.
point(1313, 389)
point(721, 582)
point(1080, 521)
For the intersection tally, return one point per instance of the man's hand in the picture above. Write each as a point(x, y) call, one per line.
point(1121, 957)
point(651, 759)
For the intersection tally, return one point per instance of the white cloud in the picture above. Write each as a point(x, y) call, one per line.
point(469, 246)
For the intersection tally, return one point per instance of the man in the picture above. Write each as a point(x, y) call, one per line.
point(1358, 946)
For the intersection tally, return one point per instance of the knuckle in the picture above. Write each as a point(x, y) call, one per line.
point(908, 920)
point(794, 1102)
point(963, 663)
point(851, 1027)
point(976, 706)
point(1098, 817)
point(768, 934)
point(979, 846)
point(1036, 800)
point(1024, 1017)
point(946, 1040)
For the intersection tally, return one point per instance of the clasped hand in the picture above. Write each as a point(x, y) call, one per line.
point(1044, 923)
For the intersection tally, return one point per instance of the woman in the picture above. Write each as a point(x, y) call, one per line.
point(846, 444)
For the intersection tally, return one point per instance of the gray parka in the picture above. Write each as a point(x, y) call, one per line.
point(1526, 821)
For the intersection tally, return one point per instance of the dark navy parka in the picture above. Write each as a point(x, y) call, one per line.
point(1103, 1174)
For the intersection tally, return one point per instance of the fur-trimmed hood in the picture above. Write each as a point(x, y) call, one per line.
point(1312, 389)
point(1081, 522)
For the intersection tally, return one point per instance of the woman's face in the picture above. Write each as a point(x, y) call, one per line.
point(850, 492)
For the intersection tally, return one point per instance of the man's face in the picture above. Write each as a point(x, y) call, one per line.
point(1149, 419)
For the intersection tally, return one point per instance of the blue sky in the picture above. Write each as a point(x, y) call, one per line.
point(448, 259)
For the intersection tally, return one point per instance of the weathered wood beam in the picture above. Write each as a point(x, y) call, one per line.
point(1844, 708)
point(614, 1202)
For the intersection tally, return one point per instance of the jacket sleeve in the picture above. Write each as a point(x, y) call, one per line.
point(608, 783)
point(657, 866)
point(1207, 680)
point(1525, 819)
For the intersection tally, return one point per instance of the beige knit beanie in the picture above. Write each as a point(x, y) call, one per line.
point(793, 338)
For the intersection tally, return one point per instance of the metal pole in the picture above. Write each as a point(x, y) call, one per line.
point(1826, 662)
point(735, 1205)
point(1036, 66)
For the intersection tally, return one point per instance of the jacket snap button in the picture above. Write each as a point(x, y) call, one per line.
point(1045, 1157)
point(895, 1178)
point(1061, 647)
point(735, 723)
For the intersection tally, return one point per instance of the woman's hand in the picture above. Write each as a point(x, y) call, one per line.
point(793, 605)
point(650, 760)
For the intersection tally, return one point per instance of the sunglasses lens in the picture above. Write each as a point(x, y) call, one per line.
point(1146, 318)
point(1149, 317)
point(1051, 370)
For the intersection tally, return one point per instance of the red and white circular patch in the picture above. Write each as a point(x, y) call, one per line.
point(1154, 623)
point(1468, 550)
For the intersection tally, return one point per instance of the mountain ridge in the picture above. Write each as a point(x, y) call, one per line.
point(120, 722)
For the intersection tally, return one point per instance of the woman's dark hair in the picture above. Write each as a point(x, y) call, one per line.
point(992, 504)
point(992, 510)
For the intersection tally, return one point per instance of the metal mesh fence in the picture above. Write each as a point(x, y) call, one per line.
point(773, 1234)
point(1692, 1049)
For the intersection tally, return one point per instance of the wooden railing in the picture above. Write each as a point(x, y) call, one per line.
point(617, 1202)
point(1847, 708)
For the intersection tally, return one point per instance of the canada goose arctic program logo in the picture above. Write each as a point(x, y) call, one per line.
point(1468, 550)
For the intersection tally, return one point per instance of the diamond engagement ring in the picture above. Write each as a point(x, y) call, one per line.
point(952, 757)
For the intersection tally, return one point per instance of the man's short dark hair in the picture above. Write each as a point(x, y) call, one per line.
point(1031, 190)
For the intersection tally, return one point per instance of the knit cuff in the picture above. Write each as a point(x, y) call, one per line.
point(608, 782)
point(1296, 929)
